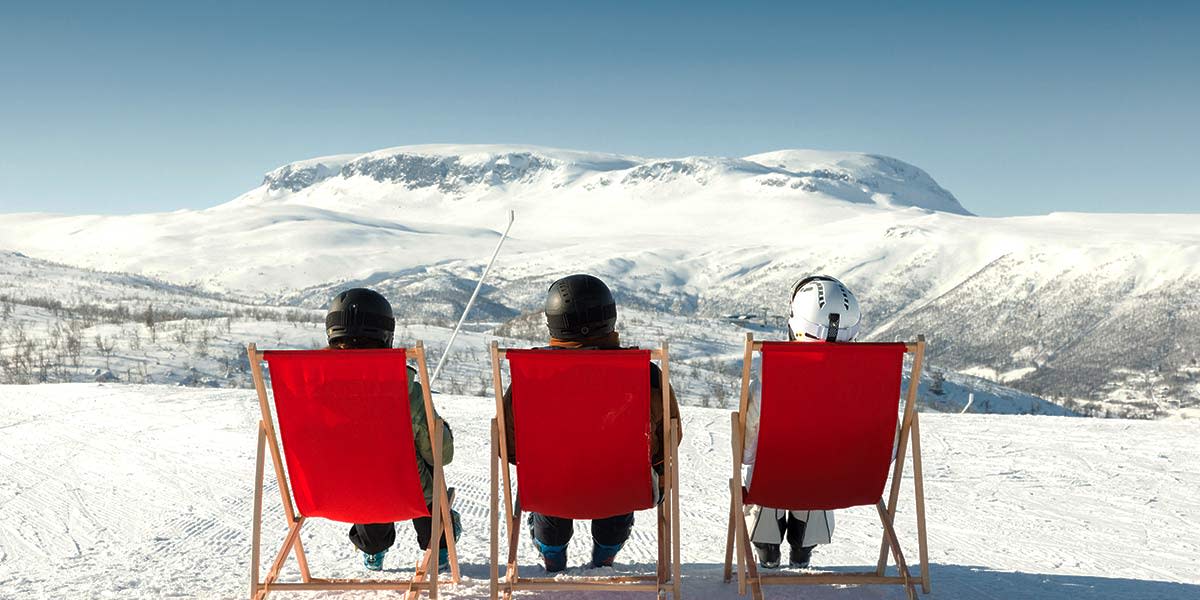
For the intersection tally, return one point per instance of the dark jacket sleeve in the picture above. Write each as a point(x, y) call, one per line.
point(420, 425)
point(510, 436)
point(656, 414)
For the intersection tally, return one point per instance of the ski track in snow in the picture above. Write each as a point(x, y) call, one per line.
point(146, 492)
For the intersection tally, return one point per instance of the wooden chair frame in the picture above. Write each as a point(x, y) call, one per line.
point(268, 440)
point(667, 578)
point(739, 538)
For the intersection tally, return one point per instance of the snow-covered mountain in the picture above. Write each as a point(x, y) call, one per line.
point(348, 217)
point(1078, 307)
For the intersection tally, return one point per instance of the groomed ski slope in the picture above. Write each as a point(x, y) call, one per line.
point(114, 491)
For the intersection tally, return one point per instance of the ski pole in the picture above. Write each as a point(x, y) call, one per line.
point(970, 401)
point(442, 361)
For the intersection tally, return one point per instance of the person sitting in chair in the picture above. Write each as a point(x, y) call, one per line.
point(359, 319)
point(581, 314)
point(822, 310)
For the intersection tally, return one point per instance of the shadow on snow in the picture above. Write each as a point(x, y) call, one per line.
point(948, 581)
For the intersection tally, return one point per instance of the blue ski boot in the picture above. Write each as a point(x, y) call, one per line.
point(374, 562)
point(553, 557)
point(604, 555)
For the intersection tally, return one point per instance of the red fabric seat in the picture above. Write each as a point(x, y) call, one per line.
point(347, 434)
point(827, 426)
point(581, 420)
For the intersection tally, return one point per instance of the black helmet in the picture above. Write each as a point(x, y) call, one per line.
point(360, 313)
point(579, 307)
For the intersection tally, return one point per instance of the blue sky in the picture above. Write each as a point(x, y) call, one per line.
point(1017, 108)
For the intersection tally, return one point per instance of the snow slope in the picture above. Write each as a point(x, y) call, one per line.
point(145, 492)
point(1085, 308)
point(65, 324)
point(420, 205)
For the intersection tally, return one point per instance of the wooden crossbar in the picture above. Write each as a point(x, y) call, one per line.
point(862, 578)
point(738, 541)
point(268, 441)
point(909, 347)
point(318, 584)
point(667, 577)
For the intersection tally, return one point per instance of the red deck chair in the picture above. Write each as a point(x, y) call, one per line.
point(853, 391)
point(559, 469)
point(343, 419)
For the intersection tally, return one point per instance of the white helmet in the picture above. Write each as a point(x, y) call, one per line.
point(823, 309)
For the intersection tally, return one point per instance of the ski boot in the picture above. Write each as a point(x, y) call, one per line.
point(800, 557)
point(553, 557)
point(374, 562)
point(768, 555)
point(603, 555)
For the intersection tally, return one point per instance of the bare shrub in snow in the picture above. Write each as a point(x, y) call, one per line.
point(106, 346)
point(182, 333)
point(73, 342)
point(151, 322)
point(202, 341)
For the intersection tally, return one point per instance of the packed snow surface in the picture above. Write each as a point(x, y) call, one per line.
point(114, 491)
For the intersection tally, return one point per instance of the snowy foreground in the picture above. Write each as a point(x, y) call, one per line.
point(113, 491)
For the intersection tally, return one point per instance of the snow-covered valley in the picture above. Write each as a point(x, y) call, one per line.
point(144, 491)
point(1095, 313)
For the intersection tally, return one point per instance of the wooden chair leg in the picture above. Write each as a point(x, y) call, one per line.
point(448, 532)
point(289, 544)
point(302, 561)
point(919, 488)
point(889, 533)
point(494, 584)
point(514, 538)
point(751, 565)
point(267, 426)
point(418, 576)
point(663, 513)
point(676, 574)
point(894, 494)
point(420, 571)
point(435, 529)
point(906, 429)
point(729, 541)
point(256, 528)
point(663, 567)
point(735, 491)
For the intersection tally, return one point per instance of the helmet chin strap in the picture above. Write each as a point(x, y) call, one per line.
point(832, 331)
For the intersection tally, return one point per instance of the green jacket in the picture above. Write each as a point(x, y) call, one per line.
point(421, 438)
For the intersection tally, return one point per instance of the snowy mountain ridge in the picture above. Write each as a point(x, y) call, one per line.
point(456, 169)
point(1082, 308)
